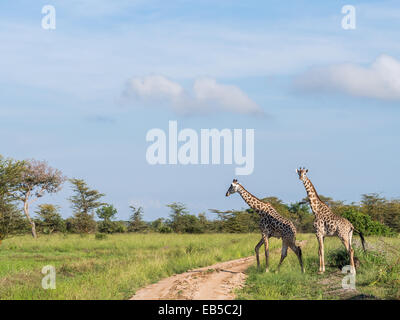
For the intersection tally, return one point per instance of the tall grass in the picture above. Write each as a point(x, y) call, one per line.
point(111, 268)
point(115, 267)
point(377, 277)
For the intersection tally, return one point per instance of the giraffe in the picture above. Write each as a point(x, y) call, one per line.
point(271, 225)
point(327, 223)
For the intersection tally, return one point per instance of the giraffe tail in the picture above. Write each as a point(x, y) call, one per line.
point(362, 238)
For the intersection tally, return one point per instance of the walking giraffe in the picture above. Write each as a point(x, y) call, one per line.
point(327, 223)
point(271, 225)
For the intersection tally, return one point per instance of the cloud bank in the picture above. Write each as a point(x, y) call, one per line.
point(380, 80)
point(206, 96)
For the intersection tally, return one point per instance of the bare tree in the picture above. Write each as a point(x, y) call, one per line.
point(37, 178)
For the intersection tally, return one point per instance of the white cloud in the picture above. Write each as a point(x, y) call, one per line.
point(228, 97)
point(205, 96)
point(157, 87)
point(380, 80)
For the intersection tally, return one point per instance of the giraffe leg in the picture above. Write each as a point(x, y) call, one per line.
point(283, 253)
point(347, 245)
point(297, 251)
point(266, 245)
point(257, 249)
point(351, 251)
point(321, 254)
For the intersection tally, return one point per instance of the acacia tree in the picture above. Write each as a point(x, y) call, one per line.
point(11, 220)
point(49, 218)
point(136, 223)
point(107, 213)
point(84, 202)
point(37, 178)
point(374, 205)
point(178, 213)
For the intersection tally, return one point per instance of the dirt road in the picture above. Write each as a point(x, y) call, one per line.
point(209, 283)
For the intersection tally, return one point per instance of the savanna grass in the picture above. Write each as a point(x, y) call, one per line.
point(109, 268)
point(377, 277)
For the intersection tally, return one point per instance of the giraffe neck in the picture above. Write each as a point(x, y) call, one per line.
point(312, 194)
point(254, 202)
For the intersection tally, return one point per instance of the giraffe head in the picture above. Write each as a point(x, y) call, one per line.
point(302, 173)
point(234, 187)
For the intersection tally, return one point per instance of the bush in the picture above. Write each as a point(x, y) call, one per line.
point(165, 229)
point(239, 221)
point(49, 219)
point(12, 222)
point(82, 223)
point(111, 227)
point(366, 225)
point(120, 227)
point(136, 223)
point(100, 236)
point(340, 258)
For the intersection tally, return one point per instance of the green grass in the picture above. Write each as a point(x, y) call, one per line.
point(378, 276)
point(115, 267)
point(111, 268)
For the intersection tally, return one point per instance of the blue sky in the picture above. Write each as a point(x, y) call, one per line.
point(330, 96)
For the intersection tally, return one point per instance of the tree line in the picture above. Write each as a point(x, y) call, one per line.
point(24, 182)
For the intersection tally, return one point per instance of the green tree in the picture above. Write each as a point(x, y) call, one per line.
point(136, 223)
point(204, 224)
point(119, 227)
point(49, 219)
point(178, 210)
point(233, 221)
point(107, 213)
point(190, 224)
point(157, 224)
point(278, 205)
point(364, 223)
point(301, 216)
point(374, 206)
point(11, 220)
point(84, 202)
point(392, 214)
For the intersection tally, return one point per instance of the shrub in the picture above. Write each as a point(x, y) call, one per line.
point(49, 220)
point(100, 236)
point(366, 225)
point(111, 227)
point(83, 223)
point(136, 223)
point(165, 229)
